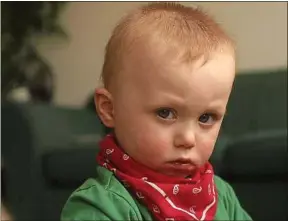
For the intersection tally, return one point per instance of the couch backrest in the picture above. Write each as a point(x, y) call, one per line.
point(258, 102)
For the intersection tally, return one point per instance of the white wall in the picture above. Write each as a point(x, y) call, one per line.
point(260, 30)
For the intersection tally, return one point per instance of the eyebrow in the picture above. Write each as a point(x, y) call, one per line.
point(217, 107)
point(169, 100)
point(218, 111)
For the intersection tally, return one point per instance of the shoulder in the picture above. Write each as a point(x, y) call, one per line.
point(101, 198)
point(228, 199)
point(225, 191)
point(222, 186)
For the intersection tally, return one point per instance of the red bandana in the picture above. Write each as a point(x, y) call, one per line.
point(167, 198)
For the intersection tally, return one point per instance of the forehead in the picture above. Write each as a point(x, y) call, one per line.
point(206, 80)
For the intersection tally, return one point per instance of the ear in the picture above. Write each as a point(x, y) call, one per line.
point(104, 106)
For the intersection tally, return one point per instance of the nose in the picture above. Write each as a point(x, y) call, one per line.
point(185, 139)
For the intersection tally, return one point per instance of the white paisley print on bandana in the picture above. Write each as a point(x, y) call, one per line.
point(176, 189)
point(125, 157)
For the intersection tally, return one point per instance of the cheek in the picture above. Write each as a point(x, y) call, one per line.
point(152, 140)
point(150, 151)
point(208, 142)
point(207, 148)
point(142, 137)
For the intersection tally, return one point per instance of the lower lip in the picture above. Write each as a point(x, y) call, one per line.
point(181, 167)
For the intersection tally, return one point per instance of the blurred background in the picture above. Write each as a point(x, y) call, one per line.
point(51, 60)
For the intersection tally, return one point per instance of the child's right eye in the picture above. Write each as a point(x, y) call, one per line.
point(166, 113)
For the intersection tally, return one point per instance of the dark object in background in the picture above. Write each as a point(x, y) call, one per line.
point(41, 86)
point(91, 104)
point(3, 183)
point(21, 63)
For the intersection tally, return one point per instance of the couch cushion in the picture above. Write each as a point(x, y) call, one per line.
point(69, 168)
point(256, 167)
point(258, 155)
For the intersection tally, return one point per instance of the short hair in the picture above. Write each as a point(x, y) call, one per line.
point(189, 30)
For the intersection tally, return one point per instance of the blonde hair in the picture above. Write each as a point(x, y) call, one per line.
point(187, 29)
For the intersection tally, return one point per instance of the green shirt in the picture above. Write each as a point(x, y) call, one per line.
point(105, 198)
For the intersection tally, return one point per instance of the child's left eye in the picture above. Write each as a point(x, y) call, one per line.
point(207, 118)
point(166, 113)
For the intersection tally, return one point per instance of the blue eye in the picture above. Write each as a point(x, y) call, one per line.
point(166, 113)
point(206, 118)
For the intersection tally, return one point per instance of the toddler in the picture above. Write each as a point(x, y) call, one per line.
point(167, 74)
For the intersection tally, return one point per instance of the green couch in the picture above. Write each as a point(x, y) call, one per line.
point(256, 167)
point(258, 101)
point(30, 134)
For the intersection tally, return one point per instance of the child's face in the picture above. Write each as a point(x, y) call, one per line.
point(164, 112)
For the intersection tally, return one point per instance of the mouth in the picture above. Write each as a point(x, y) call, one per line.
point(182, 161)
point(181, 166)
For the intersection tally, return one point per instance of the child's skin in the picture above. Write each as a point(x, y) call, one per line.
point(163, 110)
